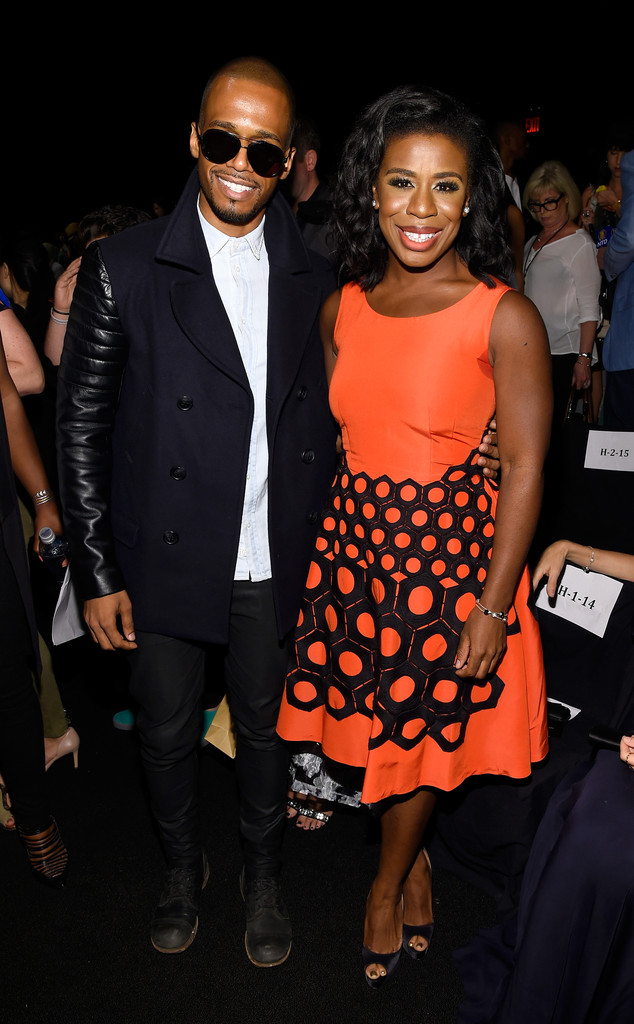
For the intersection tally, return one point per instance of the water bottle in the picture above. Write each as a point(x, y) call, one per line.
point(54, 551)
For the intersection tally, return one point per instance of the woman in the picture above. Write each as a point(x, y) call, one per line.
point(401, 667)
point(27, 282)
point(601, 202)
point(567, 954)
point(21, 732)
point(561, 276)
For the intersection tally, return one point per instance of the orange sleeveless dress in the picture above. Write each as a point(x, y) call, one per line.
point(400, 559)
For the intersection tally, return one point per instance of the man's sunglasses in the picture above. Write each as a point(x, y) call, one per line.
point(218, 146)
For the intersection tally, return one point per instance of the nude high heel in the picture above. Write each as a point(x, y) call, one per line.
point(58, 747)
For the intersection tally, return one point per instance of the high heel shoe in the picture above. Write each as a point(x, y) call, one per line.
point(411, 932)
point(421, 931)
point(60, 746)
point(389, 961)
point(47, 854)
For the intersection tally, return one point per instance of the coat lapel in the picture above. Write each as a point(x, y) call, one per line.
point(195, 300)
point(293, 299)
point(294, 304)
point(199, 312)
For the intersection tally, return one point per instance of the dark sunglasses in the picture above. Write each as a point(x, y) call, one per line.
point(218, 146)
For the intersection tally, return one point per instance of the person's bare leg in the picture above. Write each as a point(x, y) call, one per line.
point(417, 900)
point(403, 825)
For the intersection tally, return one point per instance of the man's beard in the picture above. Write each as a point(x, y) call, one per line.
point(228, 214)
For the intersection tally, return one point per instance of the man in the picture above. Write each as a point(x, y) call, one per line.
point(618, 348)
point(512, 145)
point(310, 197)
point(196, 448)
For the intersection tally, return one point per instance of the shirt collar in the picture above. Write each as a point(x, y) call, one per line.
point(217, 240)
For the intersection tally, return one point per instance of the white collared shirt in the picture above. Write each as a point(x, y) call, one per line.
point(514, 189)
point(241, 272)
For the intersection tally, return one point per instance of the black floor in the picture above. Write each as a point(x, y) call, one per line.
point(83, 954)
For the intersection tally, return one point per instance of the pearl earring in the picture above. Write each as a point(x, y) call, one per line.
point(466, 210)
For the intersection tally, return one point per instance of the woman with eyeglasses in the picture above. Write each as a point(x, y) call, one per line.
point(562, 277)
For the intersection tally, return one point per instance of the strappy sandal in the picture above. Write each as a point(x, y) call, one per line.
point(47, 854)
point(7, 821)
point(304, 808)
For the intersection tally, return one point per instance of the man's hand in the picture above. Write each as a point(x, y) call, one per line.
point(101, 615)
point(490, 457)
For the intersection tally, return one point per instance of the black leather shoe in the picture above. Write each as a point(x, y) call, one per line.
point(175, 920)
point(268, 935)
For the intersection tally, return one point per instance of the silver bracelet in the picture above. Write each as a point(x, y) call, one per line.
point(586, 568)
point(56, 319)
point(584, 355)
point(41, 497)
point(502, 616)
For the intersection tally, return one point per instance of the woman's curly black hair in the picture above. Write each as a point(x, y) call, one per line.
point(482, 240)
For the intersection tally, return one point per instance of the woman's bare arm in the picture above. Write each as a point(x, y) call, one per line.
point(520, 358)
point(552, 562)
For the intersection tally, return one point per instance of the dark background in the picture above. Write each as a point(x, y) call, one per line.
point(101, 113)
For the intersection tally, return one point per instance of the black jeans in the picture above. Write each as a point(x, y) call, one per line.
point(167, 682)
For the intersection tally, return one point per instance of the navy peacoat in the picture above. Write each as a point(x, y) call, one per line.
point(154, 422)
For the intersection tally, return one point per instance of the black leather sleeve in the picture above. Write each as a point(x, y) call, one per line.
point(89, 382)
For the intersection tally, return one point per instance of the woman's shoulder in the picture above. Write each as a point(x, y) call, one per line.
point(513, 305)
point(580, 239)
point(517, 322)
point(349, 295)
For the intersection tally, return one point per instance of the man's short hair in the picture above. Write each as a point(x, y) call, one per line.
point(305, 137)
point(254, 69)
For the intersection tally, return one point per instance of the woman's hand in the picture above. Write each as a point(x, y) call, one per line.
point(65, 286)
point(581, 374)
point(607, 198)
point(551, 564)
point(46, 515)
point(626, 750)
point(481, 646)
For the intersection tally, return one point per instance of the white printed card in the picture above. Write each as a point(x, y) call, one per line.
point(585, 598)
point(610, 449)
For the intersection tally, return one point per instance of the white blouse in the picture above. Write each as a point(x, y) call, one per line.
point(563, 280)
